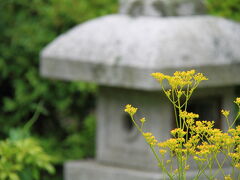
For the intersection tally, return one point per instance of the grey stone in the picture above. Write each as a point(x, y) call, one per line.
point(96, 171)
point(162, 7)
point(121, 51)
point(117, 144)
point(85, 170)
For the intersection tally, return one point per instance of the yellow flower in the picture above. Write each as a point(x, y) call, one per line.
point(178, 131)
point(180, 140)
point(168, 161)
point(180, 93)
point(168, 92)
point(200, 77)
point(189, 122)
point(158, 76)
point(171, 143)
point(238, 130)
point(151, 140)
point(176, 171)
point(196, 139)
point(180, 79)
point(142, 120)
point(232, 131)
point(237, 165)
point(187, 167)
point(206, 149)
point(237, 101)
point(187, 115)
point(228, 177)
point(147, 134)
point(196, 158)
point(162, 151)
point(225, 113)
point(130, 110)
point(234, 156)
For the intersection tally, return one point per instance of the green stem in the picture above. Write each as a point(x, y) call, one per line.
point(200, 170)
point(219, 165)
point(161, 163)
point(235, 119)
point(175, 111)
point(34, 118)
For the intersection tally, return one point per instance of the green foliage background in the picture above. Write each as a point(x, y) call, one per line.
point(225, 8)
point(66, 124)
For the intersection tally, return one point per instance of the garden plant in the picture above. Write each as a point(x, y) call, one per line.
point(21, 155)
point(193, 141)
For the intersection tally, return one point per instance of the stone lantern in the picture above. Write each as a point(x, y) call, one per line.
point(118, 52)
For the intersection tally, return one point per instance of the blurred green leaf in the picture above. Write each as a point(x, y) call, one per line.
point(27, 26)
point(227, 8)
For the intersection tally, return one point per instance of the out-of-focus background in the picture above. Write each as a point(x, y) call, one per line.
point(55, 115)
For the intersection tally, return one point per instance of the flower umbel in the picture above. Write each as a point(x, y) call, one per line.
point(237, 101)
point(130, 110)
point(225, 112)
point(151, 140)
point(192, 139)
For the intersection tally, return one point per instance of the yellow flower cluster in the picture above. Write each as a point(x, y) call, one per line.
point(204, 141)
point(228, 177)
point(173, 144)
point(191, 139)
point(178, 132)
point(187, 115)
point(223, 140)
point(130, 110)
point(186, 75)
point(170, 143)
point(201, 127)
point(143, 120)
point(200, 77)
point(187, 167)
point(237, 166)
point(162, 151)
point(235, 132)
point(225, 113)
point(180, 79)
point(196, 158)
point(159, 76)
point(237, 101)
point(234, 156)
point(151, 140)
point(191, 144)
point(206, 149)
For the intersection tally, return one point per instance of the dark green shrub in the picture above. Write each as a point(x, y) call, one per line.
point(225, 8)
point(26, 27)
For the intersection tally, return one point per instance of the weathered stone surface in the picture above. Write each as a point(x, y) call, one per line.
point(94, 171)
point(119, 143)
point(162, 7)
point(121, 51)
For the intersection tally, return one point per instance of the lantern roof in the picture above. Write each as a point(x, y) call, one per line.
point(121, 51)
